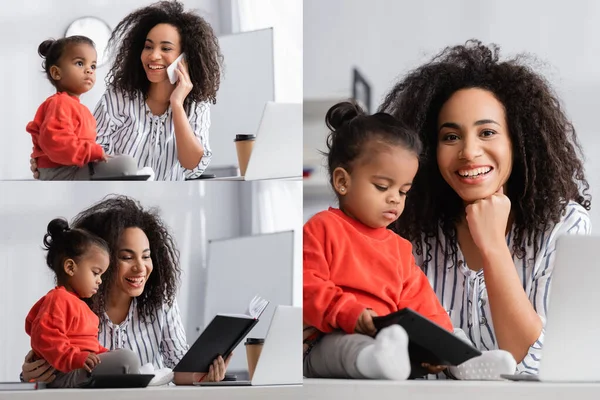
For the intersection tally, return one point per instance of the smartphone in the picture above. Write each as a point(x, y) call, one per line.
point(171, 69)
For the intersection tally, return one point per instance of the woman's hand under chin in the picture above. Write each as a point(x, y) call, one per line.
point(487, 220)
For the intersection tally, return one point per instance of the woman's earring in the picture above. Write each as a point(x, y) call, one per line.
point(342, 189)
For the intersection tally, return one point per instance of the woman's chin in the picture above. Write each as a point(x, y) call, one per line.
point(133, 291)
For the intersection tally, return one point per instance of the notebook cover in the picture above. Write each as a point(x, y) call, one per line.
point(220, 337)
point(428, 342)
point(10, 386)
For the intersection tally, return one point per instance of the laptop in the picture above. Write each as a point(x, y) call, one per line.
point(277, 151)
point(573, 321)
point(280, 361)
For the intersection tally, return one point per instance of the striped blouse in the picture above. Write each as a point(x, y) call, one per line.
point(463, 293)
point(126, 125)
point(161, 342)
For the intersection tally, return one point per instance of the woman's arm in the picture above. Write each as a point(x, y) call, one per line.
point(575, 222)
point(518, 319)
point(189, 149)
point(199, 119)
point(516, 324)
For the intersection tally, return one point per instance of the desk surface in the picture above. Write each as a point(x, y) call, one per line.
point(328, 389)
point(241, 179)
point(151, 393)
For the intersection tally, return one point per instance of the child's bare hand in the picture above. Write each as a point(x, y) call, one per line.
point(91, 362)
point(104, 156)
point(365, 324)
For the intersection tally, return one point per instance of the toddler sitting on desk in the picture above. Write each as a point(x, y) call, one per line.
point(63, 329)
point(355, 268)
point(63, 130)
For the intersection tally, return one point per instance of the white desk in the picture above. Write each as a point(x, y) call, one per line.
point(239, 179)
point(316, 389)
point(161, 393)
point(327, 389)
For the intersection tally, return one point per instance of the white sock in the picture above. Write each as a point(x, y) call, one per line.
point(487, 367)
point(387, 358)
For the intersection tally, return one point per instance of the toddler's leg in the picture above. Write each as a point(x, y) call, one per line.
point(69, 380)
point(340, 355)
point(121, 361)
point(66, 173)
point(488, 366)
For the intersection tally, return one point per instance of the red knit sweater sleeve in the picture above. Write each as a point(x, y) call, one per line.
point(49, 339)
point(417, 293)
point(59, 139)
point(325, 305)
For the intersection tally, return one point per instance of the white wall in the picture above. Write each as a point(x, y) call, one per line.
point(25, 24)
point(285, 17)
point(387, 38)
point(195, 213)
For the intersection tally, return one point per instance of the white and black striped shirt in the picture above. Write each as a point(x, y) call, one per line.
point(161, 342)
point(125, 125)
point(463, 293)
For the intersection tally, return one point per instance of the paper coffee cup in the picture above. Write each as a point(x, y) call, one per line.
point(253, 348)
point(243, 145)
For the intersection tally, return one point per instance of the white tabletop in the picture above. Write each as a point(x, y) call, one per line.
point(446, 390)
point(161, 393)
point(316, 389)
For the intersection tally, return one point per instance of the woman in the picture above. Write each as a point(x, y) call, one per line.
point(136, 303)
point(501, 181)
point(163, 126)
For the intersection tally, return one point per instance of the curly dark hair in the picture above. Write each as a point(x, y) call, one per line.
point(198, 42)
point(108, 219)
point(547, 158)
point(351, 129)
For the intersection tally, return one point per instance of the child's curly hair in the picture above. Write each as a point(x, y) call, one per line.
point(108, 219)
point(547, 169)
point(198, 42)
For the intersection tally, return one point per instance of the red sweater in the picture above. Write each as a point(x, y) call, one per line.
point(63, 330)
point(349, 267)
point(63, 133)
